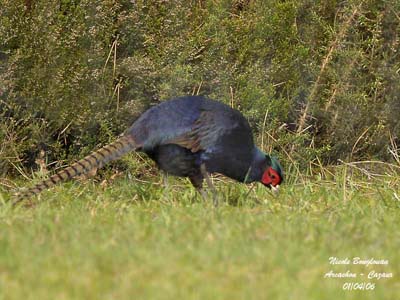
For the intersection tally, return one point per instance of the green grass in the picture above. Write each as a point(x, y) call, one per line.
point(133, 240)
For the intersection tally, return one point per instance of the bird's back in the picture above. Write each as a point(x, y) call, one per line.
point(223, 135)
point(176, 117)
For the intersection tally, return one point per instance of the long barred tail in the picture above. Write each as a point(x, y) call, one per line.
point(94, 160)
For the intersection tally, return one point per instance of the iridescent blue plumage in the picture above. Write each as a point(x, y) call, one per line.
point(182, 134)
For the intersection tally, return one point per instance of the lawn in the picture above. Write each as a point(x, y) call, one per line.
point(139, 240)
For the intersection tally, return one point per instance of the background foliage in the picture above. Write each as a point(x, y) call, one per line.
point(318, 80)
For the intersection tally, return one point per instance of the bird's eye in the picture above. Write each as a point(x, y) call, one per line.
point(273, 176)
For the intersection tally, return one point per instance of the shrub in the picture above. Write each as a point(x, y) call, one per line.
point(325, 74)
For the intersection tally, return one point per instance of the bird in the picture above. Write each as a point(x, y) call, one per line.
point(189, 136)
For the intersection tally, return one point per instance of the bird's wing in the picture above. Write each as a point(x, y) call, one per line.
point(204, 133)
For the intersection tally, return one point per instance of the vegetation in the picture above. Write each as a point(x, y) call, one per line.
point(137, 240)
point(319, 83)
point(317, 78)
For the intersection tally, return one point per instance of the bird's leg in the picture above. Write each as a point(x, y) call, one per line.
point(211, 186)
point(204, 194)
point(165, 182)
point(165, 179)
point(197, 181)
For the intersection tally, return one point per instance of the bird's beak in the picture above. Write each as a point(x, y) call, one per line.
point(275, 189)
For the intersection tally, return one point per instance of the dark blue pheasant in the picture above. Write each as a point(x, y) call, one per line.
point(189, 137)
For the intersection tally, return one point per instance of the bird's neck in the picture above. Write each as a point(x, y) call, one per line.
point(258, 165)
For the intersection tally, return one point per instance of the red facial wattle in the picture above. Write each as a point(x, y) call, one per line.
point(271, 177)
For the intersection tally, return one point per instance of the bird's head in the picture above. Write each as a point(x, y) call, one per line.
point(273, 175)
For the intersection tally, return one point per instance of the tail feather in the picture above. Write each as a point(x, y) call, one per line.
point(94, 160)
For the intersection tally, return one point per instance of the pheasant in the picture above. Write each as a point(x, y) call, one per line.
point(190, 136)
